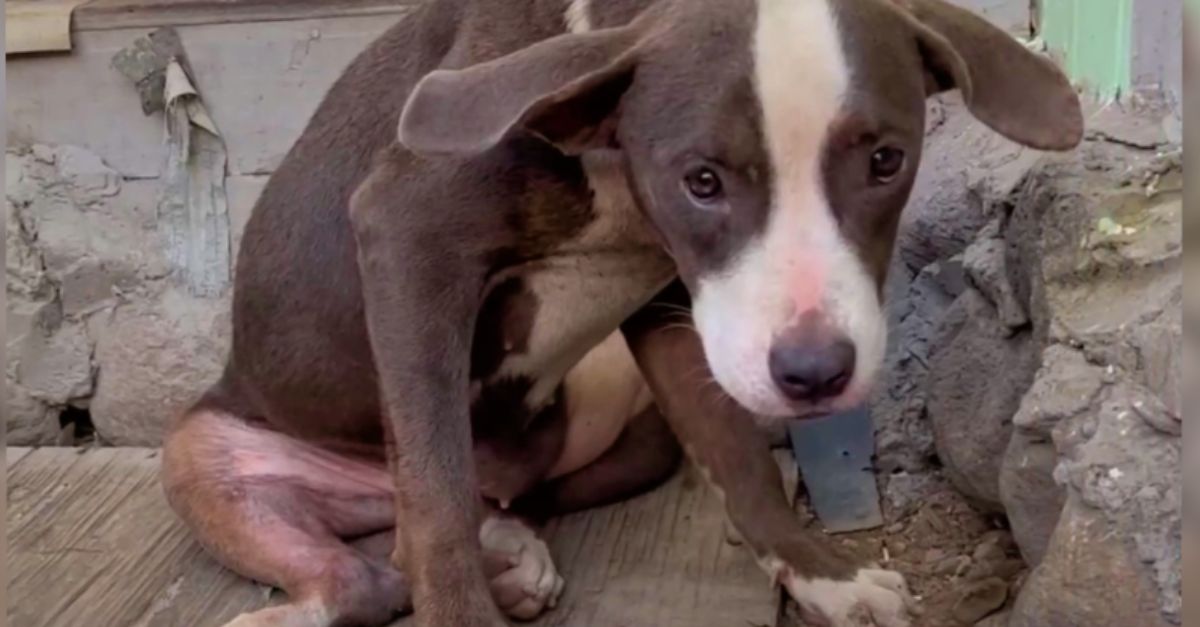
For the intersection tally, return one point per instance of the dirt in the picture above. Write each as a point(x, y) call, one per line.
point(961, 564)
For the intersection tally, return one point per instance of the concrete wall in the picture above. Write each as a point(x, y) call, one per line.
point(95, 321)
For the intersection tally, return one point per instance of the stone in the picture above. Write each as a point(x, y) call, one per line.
point(934, 556)
point(157, 358)
point(1066, 385)
point(966, 171)
point(1160, 346)
point(1084, 579)
point(28, 421)
point(953, 566)
point(1052, 382)
point(55, 366)
point(904, 437)
point(944, 213)
point(995, 620)
point(79, 241)
point(980, 599)
point(24, 267)
point(905, 491)
point(91, 283)
point(970, 411)
point(1001, 538)
point(988, 552)
point(43, 153)
point(1156, 414)
point(1032, 499)
point(985, 263)
point(1096, 440)
point(1004, 569)
point(1129, 473)
point(85, 171)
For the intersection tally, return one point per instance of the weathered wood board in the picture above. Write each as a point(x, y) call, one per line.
point(92, 542)
point(659, 561)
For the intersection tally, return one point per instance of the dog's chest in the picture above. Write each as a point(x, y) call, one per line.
point(545, 316)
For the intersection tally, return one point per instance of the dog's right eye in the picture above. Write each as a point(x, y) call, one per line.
point(886, 164)
point(703, 185)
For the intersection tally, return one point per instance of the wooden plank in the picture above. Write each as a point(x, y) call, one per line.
point(38, 25)
point(92, 542)
point(14, 454)
point(115, 14)
point(659, 560)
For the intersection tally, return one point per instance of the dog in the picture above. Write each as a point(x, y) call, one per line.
point(528, 253)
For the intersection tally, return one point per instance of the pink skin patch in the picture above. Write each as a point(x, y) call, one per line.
point(251, 452)
point(807, 283)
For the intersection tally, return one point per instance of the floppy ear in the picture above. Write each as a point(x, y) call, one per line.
point(1017, 93)
point(565, 89)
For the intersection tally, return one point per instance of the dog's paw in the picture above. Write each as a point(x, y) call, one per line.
point(874, 598)
point(531, 583)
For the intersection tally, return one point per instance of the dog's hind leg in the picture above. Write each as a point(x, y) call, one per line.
point(275, 510)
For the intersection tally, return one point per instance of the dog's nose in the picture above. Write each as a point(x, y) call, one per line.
point(811, 369)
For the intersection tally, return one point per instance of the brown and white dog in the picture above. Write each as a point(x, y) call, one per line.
point(493, 309)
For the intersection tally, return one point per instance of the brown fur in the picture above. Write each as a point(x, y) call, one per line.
point(391, 299)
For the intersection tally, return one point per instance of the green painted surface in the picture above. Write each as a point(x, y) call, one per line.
point(1096, 40)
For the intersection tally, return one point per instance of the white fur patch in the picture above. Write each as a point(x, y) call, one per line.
point(578, 16)
point(875, 598)
point(801, 262)
point(590, 285)
point(533, 578)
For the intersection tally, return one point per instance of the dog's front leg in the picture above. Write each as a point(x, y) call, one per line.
point(832, 587)
point(421, 288)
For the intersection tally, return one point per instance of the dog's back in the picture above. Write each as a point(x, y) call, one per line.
point(300, 338)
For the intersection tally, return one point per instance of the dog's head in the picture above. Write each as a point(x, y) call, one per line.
point(773, 143)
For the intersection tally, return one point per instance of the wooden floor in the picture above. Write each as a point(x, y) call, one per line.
point(92, 542)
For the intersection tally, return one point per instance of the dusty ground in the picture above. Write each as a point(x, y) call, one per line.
point(960, 563)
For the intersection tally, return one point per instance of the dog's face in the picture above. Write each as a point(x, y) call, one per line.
point(773, 143)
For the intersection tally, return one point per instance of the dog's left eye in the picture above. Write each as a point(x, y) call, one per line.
point(886, 164)
point(703, 185)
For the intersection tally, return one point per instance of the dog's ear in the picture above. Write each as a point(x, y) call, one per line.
point(1016, 92)
point(565, 89)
